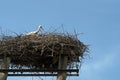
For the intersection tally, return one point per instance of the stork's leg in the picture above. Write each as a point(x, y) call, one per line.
point(4, 64)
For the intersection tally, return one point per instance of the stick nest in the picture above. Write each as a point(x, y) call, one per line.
point(42, 50)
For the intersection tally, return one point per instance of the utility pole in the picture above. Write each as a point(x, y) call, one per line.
point(4, 64)
point(62, 64)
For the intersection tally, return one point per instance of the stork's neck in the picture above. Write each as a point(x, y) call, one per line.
point(38, 29)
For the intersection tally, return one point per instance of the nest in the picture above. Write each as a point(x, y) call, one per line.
point(36, 51)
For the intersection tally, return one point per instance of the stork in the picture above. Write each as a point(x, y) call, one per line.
point(35, 32)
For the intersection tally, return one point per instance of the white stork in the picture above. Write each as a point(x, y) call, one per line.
point(35, 32)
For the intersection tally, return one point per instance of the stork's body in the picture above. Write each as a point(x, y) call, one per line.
point(35, 32)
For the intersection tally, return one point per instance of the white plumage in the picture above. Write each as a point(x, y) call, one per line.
point(35, 32)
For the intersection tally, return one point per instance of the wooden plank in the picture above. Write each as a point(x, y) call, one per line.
point(40, 74)
point(39, 70)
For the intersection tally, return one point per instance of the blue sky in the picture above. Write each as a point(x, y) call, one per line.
point(99, 20)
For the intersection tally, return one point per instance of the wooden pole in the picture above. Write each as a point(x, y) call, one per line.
point(62, 65)
point(4, 64)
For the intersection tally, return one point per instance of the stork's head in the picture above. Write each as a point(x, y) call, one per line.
point(40, 27)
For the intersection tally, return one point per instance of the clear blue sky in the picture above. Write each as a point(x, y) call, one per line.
point(99, 20)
